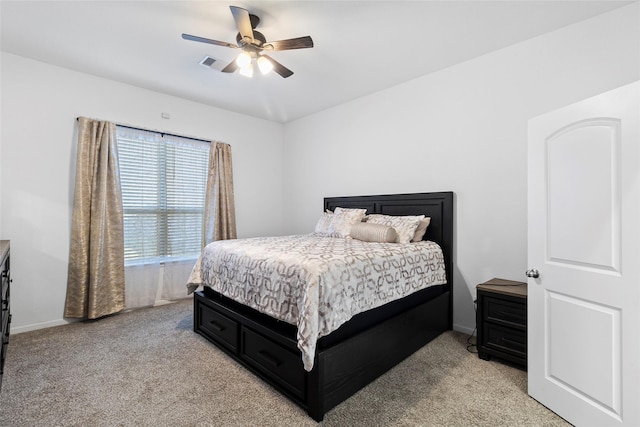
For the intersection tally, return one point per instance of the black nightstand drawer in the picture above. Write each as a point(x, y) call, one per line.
point(3, 354)
point(5, 304)
point(5, 327)
point(505, 339)
point(4, 296)
point(5, 289)
point(508, 313)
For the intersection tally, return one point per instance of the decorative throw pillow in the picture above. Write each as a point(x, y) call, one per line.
point(373, 233)
point(405, 226)
point(338, 224)
point(323, 226)
point(421, 230)
point(354, 211)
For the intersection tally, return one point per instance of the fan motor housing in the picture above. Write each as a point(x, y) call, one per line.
point(258, 39)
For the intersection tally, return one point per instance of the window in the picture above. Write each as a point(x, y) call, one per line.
point(163, 179)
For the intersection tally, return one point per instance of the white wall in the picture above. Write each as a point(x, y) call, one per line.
point(40, 104)
point(462, 129)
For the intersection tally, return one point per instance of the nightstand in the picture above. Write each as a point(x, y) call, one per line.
point(5, 314)
point(501, 319)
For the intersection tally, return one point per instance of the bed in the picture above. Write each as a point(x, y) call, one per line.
point(359, 350)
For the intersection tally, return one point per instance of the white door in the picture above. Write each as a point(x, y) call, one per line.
point(584, 242)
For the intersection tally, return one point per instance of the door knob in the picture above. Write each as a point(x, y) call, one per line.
point(532, 273)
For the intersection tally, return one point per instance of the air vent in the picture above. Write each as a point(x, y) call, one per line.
point(213, 63)
point(208, 61)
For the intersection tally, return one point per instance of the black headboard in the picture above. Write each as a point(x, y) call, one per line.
point(438, 206)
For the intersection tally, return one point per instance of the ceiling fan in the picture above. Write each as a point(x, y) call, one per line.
point(254, 45)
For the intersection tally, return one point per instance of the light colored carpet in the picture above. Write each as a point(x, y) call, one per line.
point(148, 368)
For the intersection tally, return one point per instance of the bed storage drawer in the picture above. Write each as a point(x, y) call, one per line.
point(274, 361)
point(217, 326)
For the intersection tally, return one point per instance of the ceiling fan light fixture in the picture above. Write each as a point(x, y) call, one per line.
point(247, 71)
point(264, 64)
point(243, 60)
point(251, 44)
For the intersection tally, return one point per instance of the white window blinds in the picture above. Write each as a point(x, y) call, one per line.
point(163, 179)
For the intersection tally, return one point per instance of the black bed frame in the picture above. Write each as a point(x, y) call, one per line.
point(359, 351)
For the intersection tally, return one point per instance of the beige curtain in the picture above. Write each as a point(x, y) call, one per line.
point(95, 282)
point(219, 206)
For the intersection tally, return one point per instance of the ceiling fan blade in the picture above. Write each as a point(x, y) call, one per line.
point(210, 41)
point(243, 22)
point(231, 67)
point(278, 67)
point(297, 43)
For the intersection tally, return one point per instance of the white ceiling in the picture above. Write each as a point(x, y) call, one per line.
point(360, 46)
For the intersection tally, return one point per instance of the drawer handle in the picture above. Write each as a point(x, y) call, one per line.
point(269, 358)
point(218, 327)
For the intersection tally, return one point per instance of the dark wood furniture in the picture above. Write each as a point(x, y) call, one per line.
point(362, 349)
point(5, 317)
point(502, 320)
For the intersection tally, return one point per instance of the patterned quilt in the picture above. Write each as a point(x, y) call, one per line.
point(313, 282)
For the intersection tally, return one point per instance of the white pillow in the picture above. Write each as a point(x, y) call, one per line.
point(421, 230)
point(353, 211)
point(338, 224)
point(405, 226)
point(323, 226)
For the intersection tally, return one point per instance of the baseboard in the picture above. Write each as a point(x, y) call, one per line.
point(464, 329)
point(43, 325)
point(61, 322)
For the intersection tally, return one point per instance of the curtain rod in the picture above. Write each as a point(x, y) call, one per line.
point(156, 131)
